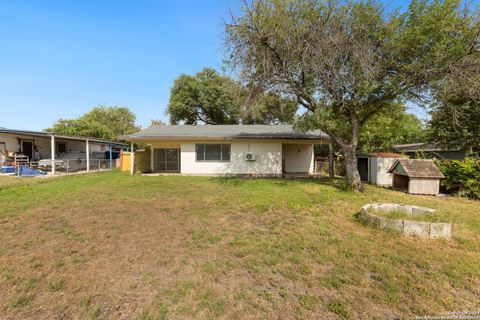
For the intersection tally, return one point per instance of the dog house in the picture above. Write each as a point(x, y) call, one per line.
point(416, 176)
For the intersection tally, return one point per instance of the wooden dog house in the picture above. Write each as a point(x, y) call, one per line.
point(416, 176)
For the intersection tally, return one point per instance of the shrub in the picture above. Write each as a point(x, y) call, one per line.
point(461, 177)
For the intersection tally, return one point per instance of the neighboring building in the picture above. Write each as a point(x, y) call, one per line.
point(34, 147)
point(258, 150)
point(373, 167)
point(429, 150)
point(416, 176)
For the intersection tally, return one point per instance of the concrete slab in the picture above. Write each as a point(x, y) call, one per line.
point(422, 210)
point(416, 228)
point(387, 207)
point(440, 230)
point(390, 224)
point(404, 209)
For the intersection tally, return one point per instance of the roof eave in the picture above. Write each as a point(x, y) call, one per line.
point(50, 134)
point(246, 137)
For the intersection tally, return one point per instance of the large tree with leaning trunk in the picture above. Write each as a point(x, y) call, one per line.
point(345, 61)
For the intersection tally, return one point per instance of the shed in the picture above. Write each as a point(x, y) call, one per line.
point(373, 167)
point(416, 176)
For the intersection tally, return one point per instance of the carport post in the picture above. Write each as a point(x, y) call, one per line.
point(132, 154)
point(331, 169)
point(87, 151)
point(110, 149)
point(52, 156)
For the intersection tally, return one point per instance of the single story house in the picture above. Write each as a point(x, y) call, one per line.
point(416, 176)
point(258, 150)
point(373, 167)
point(429, 149)
point(37, 147)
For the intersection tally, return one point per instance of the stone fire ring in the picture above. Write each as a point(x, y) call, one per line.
point(420, 229)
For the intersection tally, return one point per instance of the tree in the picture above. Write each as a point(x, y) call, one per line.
point(210, 98)
point(156, 122)
point(345, 61)
point(386, 129)
point(206, 97)
point(455, 124)
point(101, 122)
point(269, 108)
point(454, 117)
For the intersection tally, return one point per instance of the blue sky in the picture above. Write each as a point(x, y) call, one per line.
point(59, 59)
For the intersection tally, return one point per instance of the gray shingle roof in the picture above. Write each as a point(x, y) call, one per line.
point(224, 132)
point(417, 168)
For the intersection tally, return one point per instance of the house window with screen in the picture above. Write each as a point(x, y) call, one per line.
point(61, 147)
point(212, 152)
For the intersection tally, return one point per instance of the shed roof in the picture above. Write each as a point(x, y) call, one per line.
point(417, 168)
point(224, 132)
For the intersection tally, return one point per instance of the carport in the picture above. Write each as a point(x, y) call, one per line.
point(56, 152)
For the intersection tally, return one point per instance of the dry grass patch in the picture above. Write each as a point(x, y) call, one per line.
point(112, 246)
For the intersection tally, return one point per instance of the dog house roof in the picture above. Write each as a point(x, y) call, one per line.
point(416, 168)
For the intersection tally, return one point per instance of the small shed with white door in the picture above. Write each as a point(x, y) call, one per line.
point(416, 176)
point(373, 167)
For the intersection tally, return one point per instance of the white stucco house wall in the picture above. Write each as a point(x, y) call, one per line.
point(223, 150)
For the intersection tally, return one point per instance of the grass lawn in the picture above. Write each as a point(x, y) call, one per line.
point(113, 246)
point(439, 216)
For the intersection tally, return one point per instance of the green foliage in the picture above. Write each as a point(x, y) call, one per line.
point(101, 122)
point(345, 61)
point(156, 122)
point(454, 124)
point(386, 129)
point(461, 177)
point(206, 97)
point(269, 108)
point(210, 98)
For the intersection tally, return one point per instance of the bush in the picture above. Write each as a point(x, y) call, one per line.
point(461, 177)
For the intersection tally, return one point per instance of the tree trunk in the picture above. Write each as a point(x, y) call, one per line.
point(353, 176)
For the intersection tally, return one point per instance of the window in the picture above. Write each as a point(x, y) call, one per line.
point(213, 152)
point(61, 147)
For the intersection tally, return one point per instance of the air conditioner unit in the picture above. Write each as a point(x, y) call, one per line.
point(250, 156)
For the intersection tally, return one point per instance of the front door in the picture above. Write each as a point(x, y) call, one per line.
point(166, 160)
point(27, 149)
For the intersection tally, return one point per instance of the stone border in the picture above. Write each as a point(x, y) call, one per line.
point(420, 229)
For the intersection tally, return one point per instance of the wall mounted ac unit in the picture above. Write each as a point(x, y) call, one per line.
point(250, 156)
